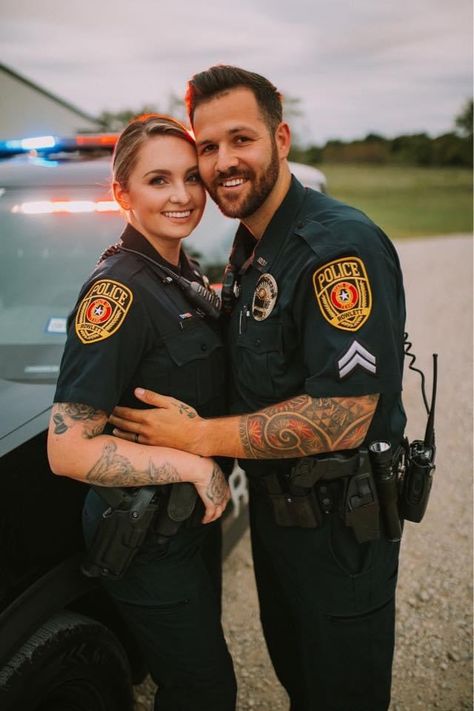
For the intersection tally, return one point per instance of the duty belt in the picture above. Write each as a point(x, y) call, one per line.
point(316, 486)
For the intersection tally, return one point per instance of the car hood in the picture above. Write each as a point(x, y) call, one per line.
point(24, 412)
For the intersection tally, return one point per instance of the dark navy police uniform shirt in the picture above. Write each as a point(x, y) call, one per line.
point(321, 311)
point(130, 328)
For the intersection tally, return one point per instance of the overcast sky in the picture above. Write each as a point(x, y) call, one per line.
point(358, 66)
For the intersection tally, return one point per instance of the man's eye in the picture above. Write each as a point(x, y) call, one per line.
point(207, 149)
point(241, 139)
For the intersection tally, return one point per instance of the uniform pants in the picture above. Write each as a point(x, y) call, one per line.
point(171, 602)
point(327, 607)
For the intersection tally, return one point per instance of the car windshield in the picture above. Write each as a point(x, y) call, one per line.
point(44, 259)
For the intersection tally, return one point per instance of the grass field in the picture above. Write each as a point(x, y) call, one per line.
point(406, 201)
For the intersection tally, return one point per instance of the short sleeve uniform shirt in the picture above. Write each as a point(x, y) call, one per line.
point(321, 311)
point(132, 327)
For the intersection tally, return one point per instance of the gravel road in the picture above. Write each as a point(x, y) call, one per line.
point(433, 659)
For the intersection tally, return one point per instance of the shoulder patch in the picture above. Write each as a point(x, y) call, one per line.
point(343, 293)
point(102, 310)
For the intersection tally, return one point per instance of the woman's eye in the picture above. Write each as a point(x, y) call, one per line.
point(194, 178)
point(157, 180)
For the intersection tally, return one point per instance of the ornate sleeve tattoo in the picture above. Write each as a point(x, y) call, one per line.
point(113, 469)
point(306, 425)
point(68, 414)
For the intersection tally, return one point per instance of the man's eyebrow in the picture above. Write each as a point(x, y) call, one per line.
point(230, 132)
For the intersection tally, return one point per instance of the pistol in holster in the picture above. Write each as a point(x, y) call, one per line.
point(307, 493)
point(131, 515)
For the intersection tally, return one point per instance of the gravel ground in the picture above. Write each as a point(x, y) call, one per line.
point(433, 658)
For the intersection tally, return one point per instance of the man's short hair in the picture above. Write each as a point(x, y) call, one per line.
point(221, 78)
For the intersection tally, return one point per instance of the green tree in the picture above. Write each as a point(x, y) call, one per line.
point(463, 120)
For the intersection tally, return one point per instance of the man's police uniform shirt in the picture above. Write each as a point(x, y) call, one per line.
point(336, 327)
point(131, 329)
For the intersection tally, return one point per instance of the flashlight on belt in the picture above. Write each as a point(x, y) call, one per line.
point(386, 481)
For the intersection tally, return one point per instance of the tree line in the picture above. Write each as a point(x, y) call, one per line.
point(454, 148)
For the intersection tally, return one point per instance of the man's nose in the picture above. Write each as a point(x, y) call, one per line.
point(226, 159)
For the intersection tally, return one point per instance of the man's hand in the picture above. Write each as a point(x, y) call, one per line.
point(171, 423)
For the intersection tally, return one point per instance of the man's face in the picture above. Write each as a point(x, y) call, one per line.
point(237, 154)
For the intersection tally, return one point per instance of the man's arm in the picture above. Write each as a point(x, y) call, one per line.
point(297, 427)
point(78, 449)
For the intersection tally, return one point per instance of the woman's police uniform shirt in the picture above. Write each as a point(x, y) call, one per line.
point(320, 310)
point(132, 328)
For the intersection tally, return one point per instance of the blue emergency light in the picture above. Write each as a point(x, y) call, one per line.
point(48, 144)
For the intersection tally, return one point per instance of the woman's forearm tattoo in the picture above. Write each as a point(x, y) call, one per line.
point(217, 487)
point(114, 469)
point(306, 425)
point(68, 414)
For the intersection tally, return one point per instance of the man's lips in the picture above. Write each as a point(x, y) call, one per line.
point(232, 182)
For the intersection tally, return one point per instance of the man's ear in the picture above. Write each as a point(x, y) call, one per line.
point(121, 195)
point(283, 139)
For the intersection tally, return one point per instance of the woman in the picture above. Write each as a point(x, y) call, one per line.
point(133, 325)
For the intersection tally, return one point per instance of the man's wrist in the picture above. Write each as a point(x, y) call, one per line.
point(201, 441)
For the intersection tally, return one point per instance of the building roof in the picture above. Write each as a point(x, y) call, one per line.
point(48, 94)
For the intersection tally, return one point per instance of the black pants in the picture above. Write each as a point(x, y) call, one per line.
point(327, 606)
point(171, 602)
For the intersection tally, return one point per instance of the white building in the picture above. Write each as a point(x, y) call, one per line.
point(27, 109)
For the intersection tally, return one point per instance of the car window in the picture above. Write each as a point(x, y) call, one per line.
point(44, 259)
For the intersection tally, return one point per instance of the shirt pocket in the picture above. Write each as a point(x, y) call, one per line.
point(259, 355)
point(197, 372)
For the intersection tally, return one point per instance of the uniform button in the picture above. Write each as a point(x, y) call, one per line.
point(258, 341)
point(203, 347)
point(300, 225)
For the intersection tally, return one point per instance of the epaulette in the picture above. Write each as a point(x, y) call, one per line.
point(318, 238)
point(109, 252)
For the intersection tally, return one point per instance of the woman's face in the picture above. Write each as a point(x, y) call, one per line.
point(164, 198)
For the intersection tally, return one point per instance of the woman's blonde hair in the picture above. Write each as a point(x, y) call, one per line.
point(138, 131)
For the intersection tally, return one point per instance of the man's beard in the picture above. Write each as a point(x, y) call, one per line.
point(261, 188)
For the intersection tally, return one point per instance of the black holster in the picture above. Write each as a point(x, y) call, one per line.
point(120, 534)
point(301, 498)
point(296, 509)
point(130, 518)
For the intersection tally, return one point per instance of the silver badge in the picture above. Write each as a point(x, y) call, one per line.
point(265, 297)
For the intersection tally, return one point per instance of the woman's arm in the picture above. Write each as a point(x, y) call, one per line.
point(78, 449)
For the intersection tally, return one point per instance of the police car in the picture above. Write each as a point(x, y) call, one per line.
point(62, 645)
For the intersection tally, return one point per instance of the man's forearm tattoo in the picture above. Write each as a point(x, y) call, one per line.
point(306, 425)
point(114, 469)
point(217, 487)
point(68, 414)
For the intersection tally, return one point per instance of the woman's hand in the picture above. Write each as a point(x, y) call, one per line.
point(213, 489)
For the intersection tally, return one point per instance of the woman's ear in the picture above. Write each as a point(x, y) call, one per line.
point(121, 195)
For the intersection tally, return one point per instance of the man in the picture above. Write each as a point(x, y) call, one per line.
point(316, 346)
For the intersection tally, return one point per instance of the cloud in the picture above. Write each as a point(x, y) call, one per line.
point(355, 67)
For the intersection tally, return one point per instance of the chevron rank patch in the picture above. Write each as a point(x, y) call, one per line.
point(343, 293)
point(356, 356)
point(102, 310)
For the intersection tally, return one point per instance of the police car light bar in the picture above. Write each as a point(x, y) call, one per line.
point(47, 144)
point(49, 207)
